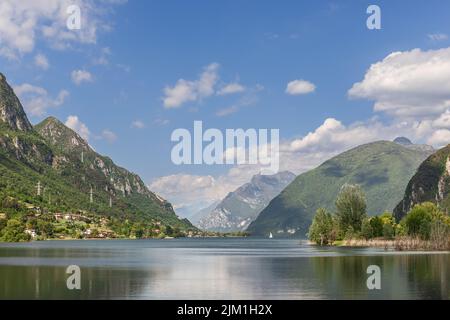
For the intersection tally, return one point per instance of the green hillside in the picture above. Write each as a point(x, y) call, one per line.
point(49, 169)
point(383, 170)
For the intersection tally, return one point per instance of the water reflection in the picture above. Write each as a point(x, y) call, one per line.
point(216, 269)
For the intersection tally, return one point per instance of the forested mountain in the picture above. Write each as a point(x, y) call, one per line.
point(50, 169)
point(382, 168)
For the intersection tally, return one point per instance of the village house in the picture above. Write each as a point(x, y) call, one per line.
point(58, 216)
point(31, 232)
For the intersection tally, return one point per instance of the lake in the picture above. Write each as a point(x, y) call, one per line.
point(231, 268)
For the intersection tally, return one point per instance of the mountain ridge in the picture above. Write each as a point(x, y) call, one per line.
point(240, 207)
point(72, 176)
point(11, 110)
point(382, 168)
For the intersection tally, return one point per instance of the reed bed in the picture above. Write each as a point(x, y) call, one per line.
point(401, 244)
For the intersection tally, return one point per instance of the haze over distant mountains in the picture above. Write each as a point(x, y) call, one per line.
point(241, 207)
point(408, 144)
point(383, 169)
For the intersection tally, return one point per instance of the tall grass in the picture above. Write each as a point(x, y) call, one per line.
point(402, 244)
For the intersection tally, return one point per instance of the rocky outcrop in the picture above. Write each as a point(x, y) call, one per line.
point(430, 183)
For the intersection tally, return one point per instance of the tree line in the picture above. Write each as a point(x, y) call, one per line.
point(425, 221)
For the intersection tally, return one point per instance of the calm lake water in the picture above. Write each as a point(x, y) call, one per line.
point(216, 269)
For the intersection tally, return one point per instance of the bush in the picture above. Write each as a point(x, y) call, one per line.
point(95, 233)
point(351, 234)
point(418, 220)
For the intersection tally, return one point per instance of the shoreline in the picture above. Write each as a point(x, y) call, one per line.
point(400, 244)
point(108, 239)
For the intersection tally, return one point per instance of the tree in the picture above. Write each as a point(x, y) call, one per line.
point(418, 220)
point(322, 229)
point(14, 232)
point(2, 224)
point(377, 226)
point(388, 231)
point(45, 228)
point(169, 231)
point(366, 229)
point(351, 207)
point(388, 218)
point(139, 233)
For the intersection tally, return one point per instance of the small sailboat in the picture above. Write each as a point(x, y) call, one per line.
point(270, 235)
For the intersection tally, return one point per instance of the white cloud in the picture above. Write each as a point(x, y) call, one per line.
point(333, 136)
point(298, 87)
point(227, 111)
point(186, 91)
point(74, 123)
point(437, 36)
point(80, 76)
point(103, 58)
point(440, 138)
point(138, 124)
point(248, 99)
point(36, 100)
point(406, 84)
point(202, 190)
point(41, 61)
point(23, 22)
point(79, 127)
point(191, 193)
point(231, 88)
point(181, 93)
point(109, 136)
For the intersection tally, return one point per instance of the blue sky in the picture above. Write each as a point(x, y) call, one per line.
point(139, 48)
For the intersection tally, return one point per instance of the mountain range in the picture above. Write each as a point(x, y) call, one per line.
point(240, 207)
point(383, 169)
point(51, 167)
